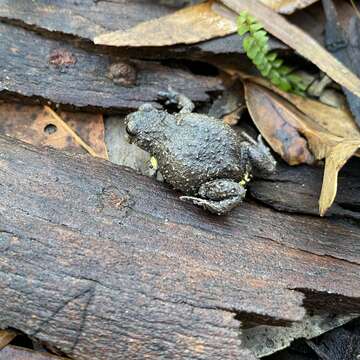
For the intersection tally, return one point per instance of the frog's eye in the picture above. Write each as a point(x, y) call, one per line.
point(146, 107)
point(129, 130)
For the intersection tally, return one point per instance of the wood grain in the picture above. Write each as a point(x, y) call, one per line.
point(98, 260)
point(41, 69)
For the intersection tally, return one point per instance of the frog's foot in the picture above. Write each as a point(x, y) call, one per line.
point(182, 102)
point(218, 196)
point(259, 155)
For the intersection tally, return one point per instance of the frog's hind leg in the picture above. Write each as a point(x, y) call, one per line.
point(182, 101)
point(218, 196)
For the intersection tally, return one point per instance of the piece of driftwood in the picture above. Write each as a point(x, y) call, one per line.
point(98, 261)
point(51, 70)
point(88, 18)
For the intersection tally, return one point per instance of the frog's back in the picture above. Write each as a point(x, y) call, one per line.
point(200, 149)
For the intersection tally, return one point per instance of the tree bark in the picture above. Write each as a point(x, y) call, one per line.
point(103, 263)
point(42, 70)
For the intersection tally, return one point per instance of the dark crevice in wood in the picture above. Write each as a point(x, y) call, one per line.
point(322, 301)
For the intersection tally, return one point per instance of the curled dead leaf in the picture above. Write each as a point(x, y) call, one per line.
point(338, 121)
point(335, 160)
point(319, 139)
point(278, 124)
point(283, 126)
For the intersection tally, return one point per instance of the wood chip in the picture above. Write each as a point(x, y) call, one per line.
point(52, 116)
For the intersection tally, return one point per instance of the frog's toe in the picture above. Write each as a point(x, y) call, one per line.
point(212, 206)
point(216, 207)
point(147, 107)
point(173, 97)
point(170, 95)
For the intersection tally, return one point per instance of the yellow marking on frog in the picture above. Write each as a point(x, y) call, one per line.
point(154, 163)
point(245, 179)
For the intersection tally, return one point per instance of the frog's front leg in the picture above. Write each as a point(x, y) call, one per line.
point(182, 101)
point(218, 196)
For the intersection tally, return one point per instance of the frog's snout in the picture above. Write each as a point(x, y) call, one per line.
point(130, 128)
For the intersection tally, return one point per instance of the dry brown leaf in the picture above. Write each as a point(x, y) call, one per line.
point(52, 116)
point(41, 126)
point(298, 40)
point(273, 115)
point(90, 128)
point(6, 336)
point(338, 121)
point(287, 6)
point(335, 160)
point(186, 26)
point(278, 124)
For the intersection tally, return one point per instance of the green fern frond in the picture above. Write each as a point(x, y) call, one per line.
point(256, 46)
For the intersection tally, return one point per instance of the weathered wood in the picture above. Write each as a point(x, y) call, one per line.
point(45, 69)
point(276, 190)
point(18, 353)
point(85, 18)
point(98, 260)
point(88, 18)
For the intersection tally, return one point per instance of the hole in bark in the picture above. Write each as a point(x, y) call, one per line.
point(50, 129)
